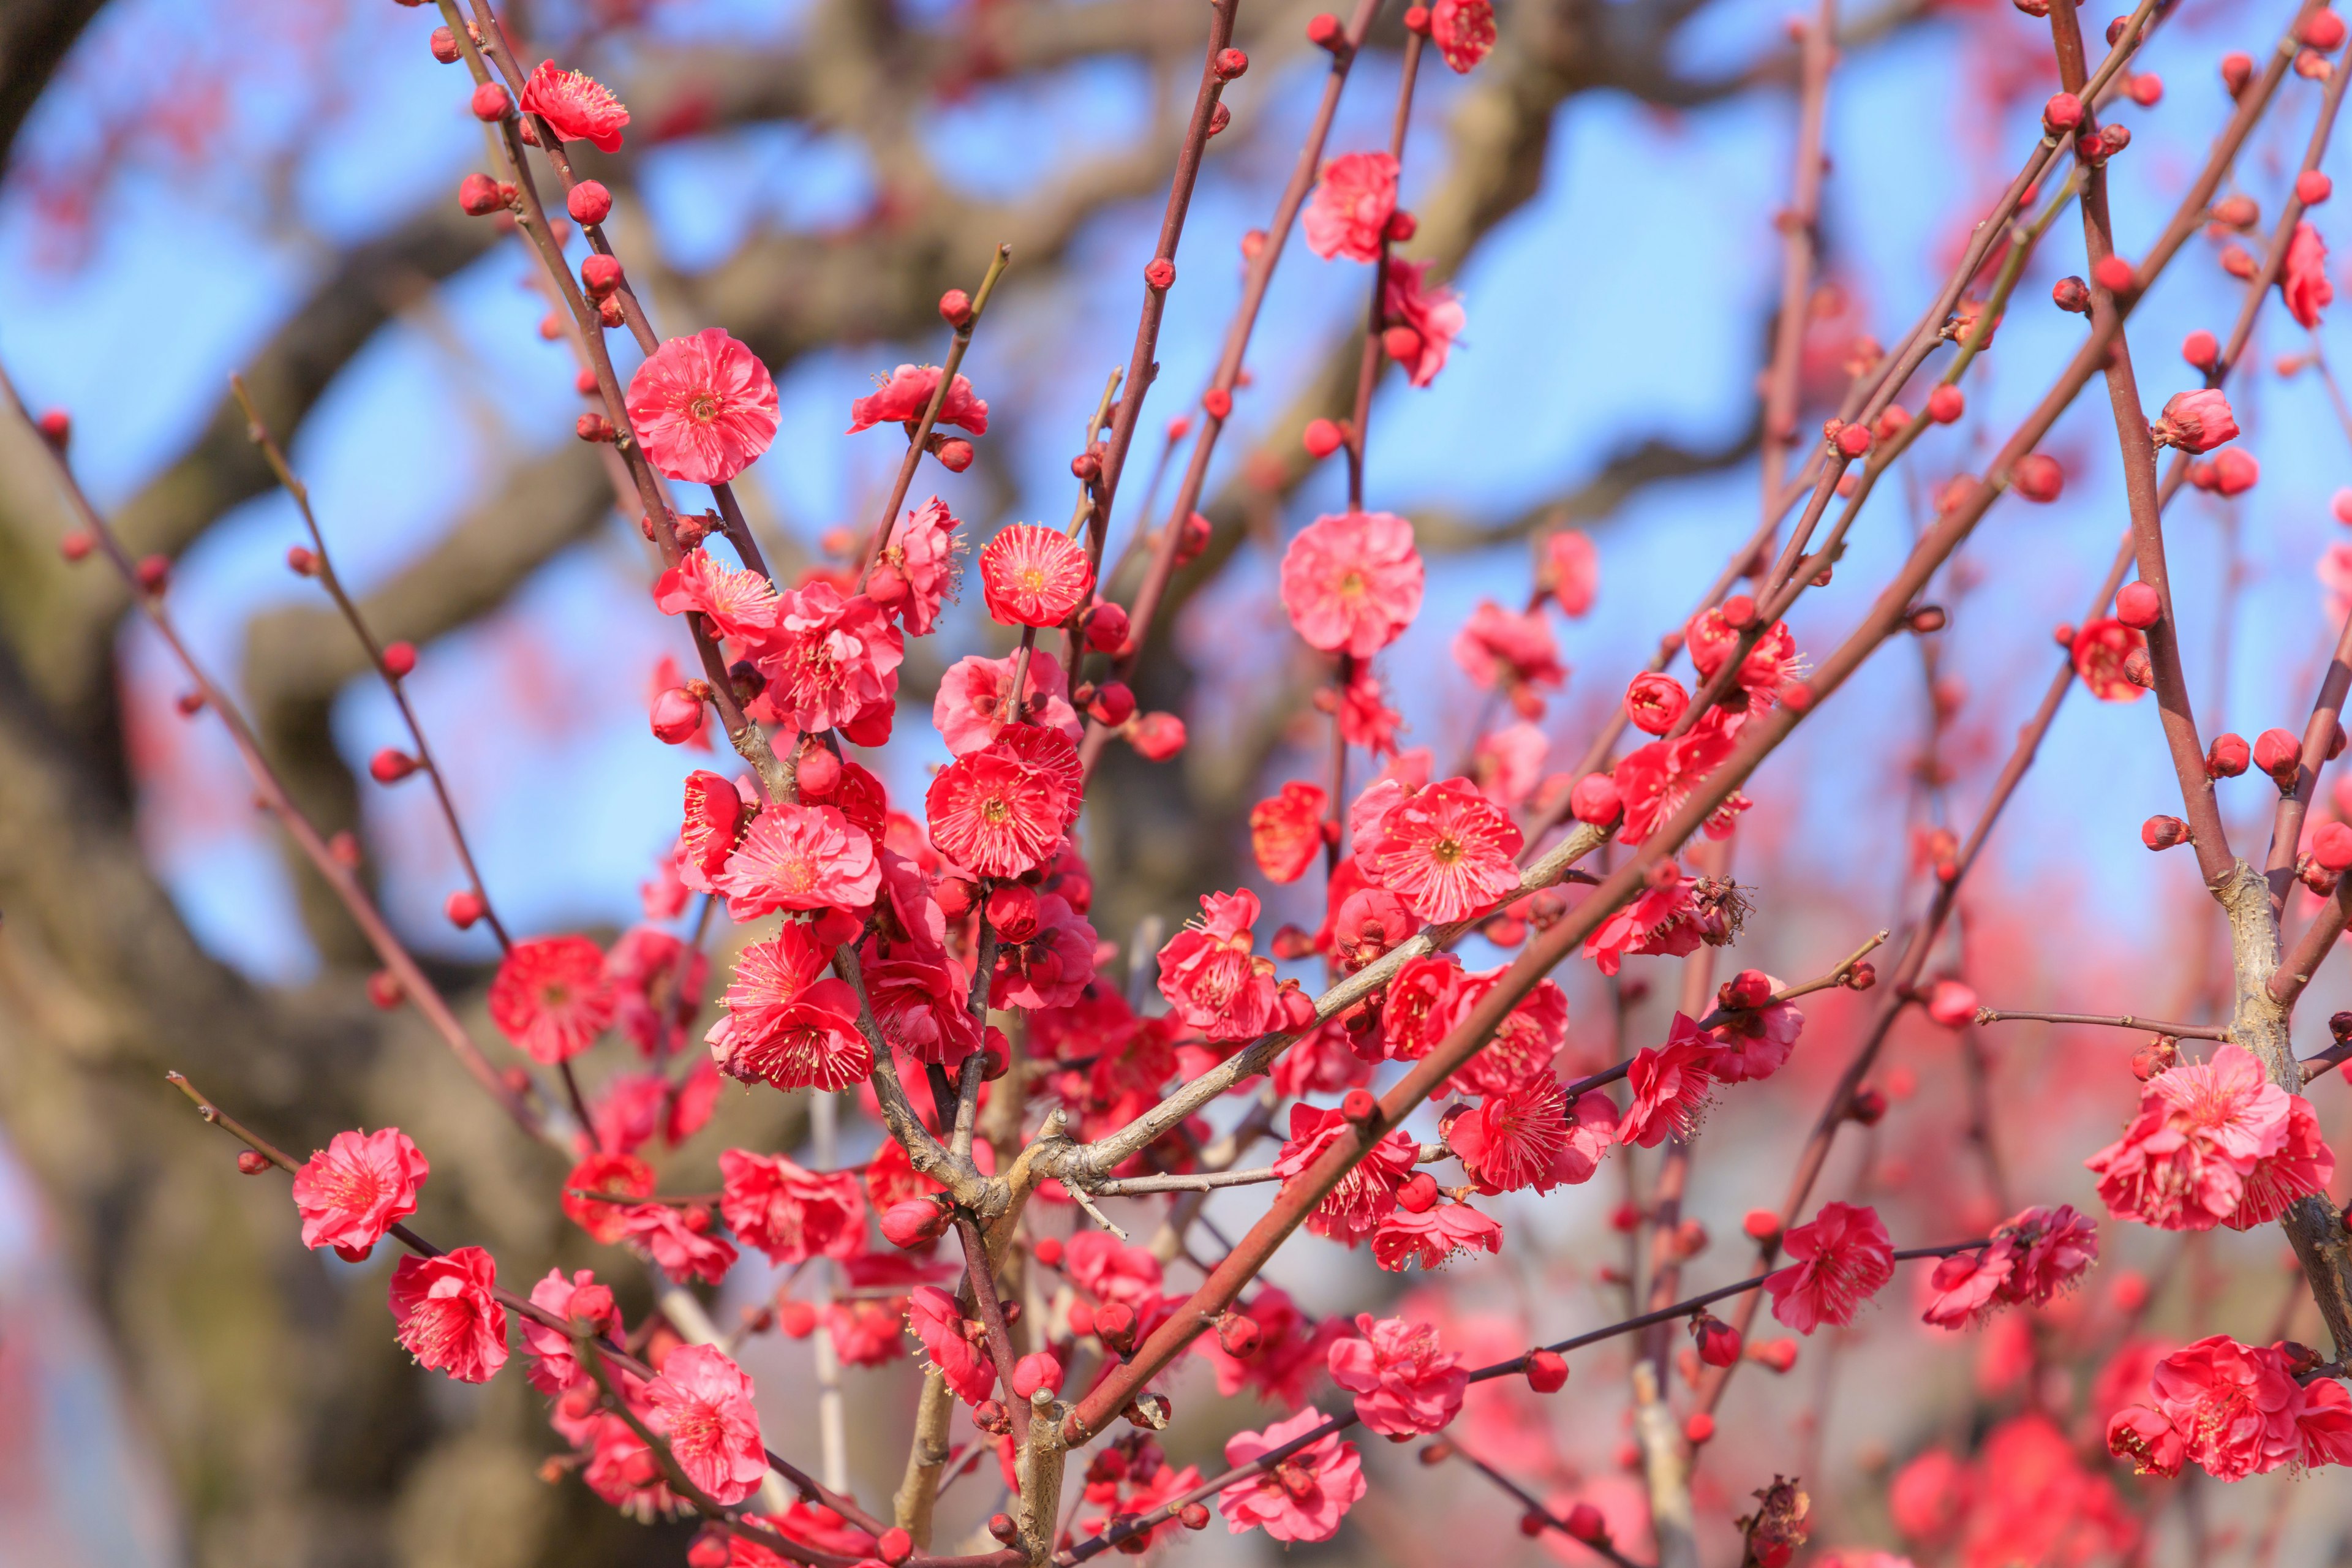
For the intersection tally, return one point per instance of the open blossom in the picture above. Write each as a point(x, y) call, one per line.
point(702, 1403)
point(1757, 1042)
point(1529, 1136)
point(1570, 571)
point(1288, 1357)
point(789, 1213)
point(996, 812)
point(703, 408)
point(1305, 1497)
point(1210, 976)
point(1653, 781)
point(581, 108)
point(1367, 1193)
point(1523, 1046)
point(2235, 1410)
point(1508, 763)
point(1769, 666)
point(713, 821)
point(551, 997)
point(1507, 648)
point(2207, 1136)
point(941, 1327)
point(1843, 1256)
point(915, 571)
point(922, 1008)
point(1032, 576)
point(976, 697)
point(1404, 1382)
point(1351, 207)
point(1352, 582)
point(1110, 1270)
point(1671, 1086)
point(1424, 320)
point(1052, 967)
point(740, 603)
point(2302, 278)
point(447, 1318)
point(2195, 421)
point(1287, 830)
point(679, 1240)
point(909, 391)
point(350, 1192)
point(624, 1176)
point(1462, 30)
point(1420, 1008)
point(554, 1367)
point(1447, 851)
point(831, 663)
point(1661, 919)
point(799, 858)
point(2037, 1254)
point(1365, 717)
point(787, 1022)
point(1431, 1236)
point(2100, 649)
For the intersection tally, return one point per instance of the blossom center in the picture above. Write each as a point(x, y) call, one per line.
point(702, 408)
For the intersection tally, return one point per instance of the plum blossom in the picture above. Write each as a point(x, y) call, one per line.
point(945, 1334)
point(787, 1022)
point(1524, 1044)
point(1424, 320)
point(908, 392)
point(702, 1403)
point(1653, 781)
point(1350, 208)
point(830, 663)
point(1462, 30)
point(2233, 1410)
point(996, 811)
point(350, 1192)
point(975, 701)
point(551, 997)
point(1447, 851)
point(582, 109)
point(703, 408)
point(1210, 976)
point(1405, 1383)
point(1571, 571)
point(449, 1319)
point(1671, 1086)
point(2100, 649)
point(915, 572)
point(679, 1240)
point(1431, 1236)
point(799, 858)
point(1843, 1256)
point(740, 603)
point(1355, 1208)
point(1530, 1136)
point(1034, 576)
point(1352, 582)
point(2302, 278)
point(1287, 830)
point(554, 1367)
point(789, 1214)
point(1511, 649)
point(1305, 1495)
point(2214, 1142)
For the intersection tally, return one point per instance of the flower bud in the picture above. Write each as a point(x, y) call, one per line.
point(916, 1222)
point(894, 1546)
point(2038, 477)
point(1321, 437)
point(677, 717)
point(1157, 736)
point(1106, 627)
point(1868, 1105)
point(1359, 1106)
point(2072, 294)
point(2311, 186)
point(2322, 30)
point(1595, 799)
point(2062, 112)
point(2138, 607)
point(1325, 33)
point(2195, 421)
point(1113, 705)
point(2227, 757)
point(2331, 846)
point(1781, 1355)
point(1297, 1010)
point(1013, 912)
point(955, 307)
point(2146, 89)
point(75, 545)
point(2160, 1055)
point(1401, 226)
point(1417, 1194)
point(1654, 702)
point(1585, 1523)
point(491, 103)
point(1195, 1515)
point(2280, 754)
point(2235, 471)
point(2114, 274)
point(1240, 1335)
point(1946, 404)
point(954, 454)
point(384, 990)
point(389, 765)
point(600, 275)
point(1047, 1250)
point(1700, 1426)
point(1115, 1325)
point(1761, 1226)
point(991, 1417)
point(1746, 991)
point(1034, 1372)
point(2139, 669)
point(444, 44)
point(1159, 273)
point(589, 203)
point(1862, 976)
point(1719, 1342)
point(1402, 344)
point(462, 907)
point(2160, 832)
point(593, 428)
point(1547, 1372)
point(1229, 64)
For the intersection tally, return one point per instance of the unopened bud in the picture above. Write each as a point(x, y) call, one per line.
point(2138, 606)
point(491, 103)
point(252, 1163)
point(2161, 832)
point(1547, 1372)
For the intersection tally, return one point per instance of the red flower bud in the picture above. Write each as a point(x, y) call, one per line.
point(1321, 437)
point(1013, 912)
point(955, 307)
point(1039, 1371)
point(2311, 186)
point(1761, 1225)
point(1297, 1010)
point(1325, 33)
point(1654, 702)
point(894, 1546)
point(915, 1222)
point(2062, 112)
point(1595, 800)
point(1229, 64)
point(2322, 30)
point(251, 1162)
point(589, 203)
point(1585, 1523)
point(1547, 1372)
point(2202, 349)
point(1719, 1342)
point(1160, 274)
point(954, 454)
point(2071, 294)
point(2237, 212)
point(2227, 757)
point(2331, 846)
point(1113, 705)
point(76, 545)
point(1240, 1335)
point(1946, 404)
point(1700, 1426)
point(1158, 736)
point(444, 44)
point(2279, 754)
point(600, 274)
point(1401, 344)
point(399, 659)
point(1868, 1106)
point(1853, 440)
point(2138, 607)
point(2038, 477)
point(2114, 274)
point(2235, 471)
point(2237, 70)
point(1417, 1194)
point(1401, 226)
point(1779, 1354)
point(1115, 1325)
point(2161, 832)
point(1357, 1105)
point(1217, 403)
point(1047, 1250)
point(2146, 89)
point(1533, 1524)
point(462, 907)
point(154, 572)
point(795, 1319)
point(677, 717)
point(389, 765)
point(384, 991)
point(491, 103)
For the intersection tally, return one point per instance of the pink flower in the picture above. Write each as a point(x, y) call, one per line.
point(1109, 1270)
point(449, 1319)
point(831, 663)
point(1352, 582)
point(2233, 1407)
point(864, 1332)
point(679, 1240)
point(714, 814)
point(1671, 1086)
point(1368, 1192)
point(551, 997)
point(1661, 919)
point(1842, 1259)
point(581, 108)
point(1571, 570)
point(1350, 208)
point(1052, 967)
point(703, 408)
point(1404, 1383)
point(2302, 280)
point(1528, 1136)
point(2195, 421)
point(1420, 1008)
point(915, 571)
point(997, 812)
point(1508, 764)
point(789, 1023)
point(624, 1176)
point(976, 694)
point(947, 1338)
point(1968, 1286)
point(1524, 1044)
point(740, 604)
point(657, 983)
point(1769, 666)
point(350, 1192)
point(1755, 1043)
point(1507, 648)
point(1447, 851)
point(1150, 1484)
point(1653, 781)
point(2050, 1247)
point(1287, 830)
point(909, 391)
point(1034, 576)
point(702, 1403)
point(2204, 1133)
point(1210, 976)
point(1432, 1235)
point(922, 1008)
point(799, 858)
point(1305, 1495)
point(1287, 1355)
point(553, 1368)
point(1423, 321)
point(789, 1214)
point(1366, 720)
point(2101, 648)
point(1462, 30)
